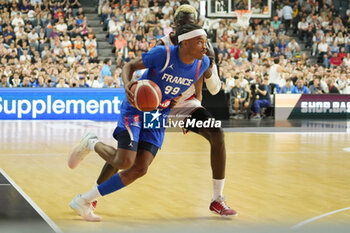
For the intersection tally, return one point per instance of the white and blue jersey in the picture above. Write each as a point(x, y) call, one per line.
point(173, 77)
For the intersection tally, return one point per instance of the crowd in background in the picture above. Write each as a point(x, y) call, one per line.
point(46, 44)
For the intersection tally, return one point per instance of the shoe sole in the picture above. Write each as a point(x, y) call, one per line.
point(223, 215)
point(76, 156)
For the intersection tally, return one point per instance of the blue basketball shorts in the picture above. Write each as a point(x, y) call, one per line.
point(131, 135)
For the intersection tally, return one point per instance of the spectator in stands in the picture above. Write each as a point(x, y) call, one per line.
point(316, 88)
point(287, 13)
point(39, 82)
point(223, 50)
point(17, 20)
point(167, 9)
point(120, 43)
point(335, 60)
point(118, 78)
point(45, 54)
point(73, 83)
point(92, 81)
point(229, 82)
point(61, 26)
point(238, 98)
point(342, 53)
point(62, 83)
point(108, 82)
point(82, 82)
point(316, 39)
point(341, 83)
point(263, 98)
point(15, 81)
point(300, 88)
point(4, 81)
point(303, 26)
point(346, 61)
point(25, 57)
point(322, 50)
point(288, 88)
point(293, 45)
point(331, 87)
point(91, 46)
point(9, 35)
point(334, 48)
point(113, 29)
point(106, 69)
point(275, 23)
point(347, 43)
point(26, 82)
point(74, 5)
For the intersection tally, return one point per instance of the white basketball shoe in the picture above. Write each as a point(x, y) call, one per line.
point(81, 150)
point(84, 209)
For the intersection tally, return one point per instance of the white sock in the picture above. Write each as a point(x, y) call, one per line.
point(95, 185)
point(218, 188)
point(92, 195)
point(92, 143)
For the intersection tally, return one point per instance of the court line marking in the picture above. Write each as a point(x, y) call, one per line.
point(32, 203)
point(347, 149)
point(318, 217)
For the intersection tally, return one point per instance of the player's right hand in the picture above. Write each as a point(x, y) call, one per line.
point(129, 94)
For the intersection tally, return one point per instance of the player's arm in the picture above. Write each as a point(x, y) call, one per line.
point(127, 73)
point(211, 76)
point(198, 88)
point(154, 58)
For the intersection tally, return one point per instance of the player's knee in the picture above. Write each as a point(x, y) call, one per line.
point(127, 162)
point(124, 162)
point(139, 172)
point(214, 135)
point(217, 136)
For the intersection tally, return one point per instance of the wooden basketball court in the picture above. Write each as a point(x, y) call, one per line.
point(281, 180)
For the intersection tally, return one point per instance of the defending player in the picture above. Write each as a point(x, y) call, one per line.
point(137, 146)
point(190, 104)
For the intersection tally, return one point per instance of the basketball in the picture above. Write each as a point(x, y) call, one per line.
point(147, 95)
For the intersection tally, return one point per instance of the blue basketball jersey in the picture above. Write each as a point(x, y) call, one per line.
point(166, 69)
point(173, 77)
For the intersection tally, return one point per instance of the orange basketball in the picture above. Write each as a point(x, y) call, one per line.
point(147, 95)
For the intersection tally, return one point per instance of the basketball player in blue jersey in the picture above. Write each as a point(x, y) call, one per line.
point(137, 146)
point(190, 104)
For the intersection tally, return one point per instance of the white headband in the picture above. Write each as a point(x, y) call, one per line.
point(192, 34)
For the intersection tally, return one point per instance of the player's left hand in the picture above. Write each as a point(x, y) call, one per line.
point(211, 55)
point(129, 94)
